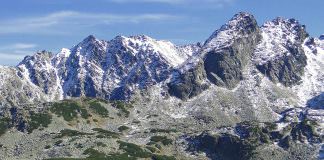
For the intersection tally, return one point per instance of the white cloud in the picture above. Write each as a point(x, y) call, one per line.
point(23, 46)
point(57, 22)
point(12, 53)
point(18, 46)
point(11, 57)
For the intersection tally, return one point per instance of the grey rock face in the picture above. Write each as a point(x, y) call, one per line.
point(286, 70)
point(14, 91)
point(220, 146)
point(321, 37)
point(288, 66)
point(39, 73)
point(190, 83)
point(224, 63)
point(82, 68)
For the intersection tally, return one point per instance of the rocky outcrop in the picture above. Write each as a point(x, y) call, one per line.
point(225, 61)
point(288, 69)
point(189, 83)
point(16, 91)
point(221, 146)
point(280, 56)
point(250, 138)
point(38, 69)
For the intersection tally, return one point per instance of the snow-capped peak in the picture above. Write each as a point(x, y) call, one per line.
point(276, 34)
point(64, 52)
point(89, 39)
point(225, 36)
point(89, 43)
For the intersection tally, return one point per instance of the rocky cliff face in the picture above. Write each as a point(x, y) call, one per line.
point(229, 50)
point(280, 55)
point(189, 83)
point(38, 71)
point(16, 91)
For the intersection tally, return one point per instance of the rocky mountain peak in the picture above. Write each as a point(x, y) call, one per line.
point(276, 35)
point(241, 20)
point(287, 29)
point(229, 50)
point(37, 57)
point(90, 43)
point(89, 39)
point(241, 24)
point(280, 49)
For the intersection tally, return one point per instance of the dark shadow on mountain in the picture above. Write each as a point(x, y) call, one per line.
point(224, 146)
point(120, 93)
point(316, 102)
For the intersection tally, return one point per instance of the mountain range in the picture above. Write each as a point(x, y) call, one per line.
point(242, 73)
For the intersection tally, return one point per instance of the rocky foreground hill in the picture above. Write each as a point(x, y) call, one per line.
point(247, 92)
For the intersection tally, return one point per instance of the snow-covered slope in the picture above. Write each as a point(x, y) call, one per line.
point(38, 71)
point(312, 85)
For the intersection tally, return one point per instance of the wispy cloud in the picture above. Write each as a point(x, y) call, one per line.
point(14, 52)
point(10, 58)
point(18, 46)
point(175, 1)
point(55, 23)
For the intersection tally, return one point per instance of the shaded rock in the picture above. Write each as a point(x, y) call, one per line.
point(224, 146)
point(190, 83)
point(321, 37)
point(288, 69)
point(316, 102)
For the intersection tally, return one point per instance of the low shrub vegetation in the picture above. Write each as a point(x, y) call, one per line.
point(134, 150)
point(99, 109)
point(37, 120)
point(105, 133)
point(71, 133)
point(163, 139)
point(4, 125)
point(69, 110)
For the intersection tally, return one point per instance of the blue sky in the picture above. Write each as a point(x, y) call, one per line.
point(27, 26)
